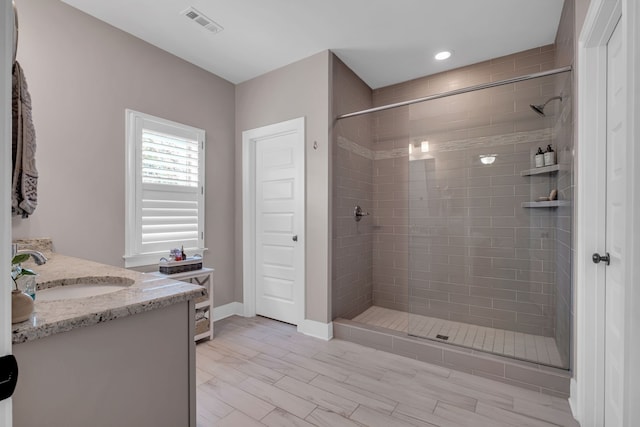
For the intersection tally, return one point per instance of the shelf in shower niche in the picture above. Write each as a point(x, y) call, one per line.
point(538, 171)
point(549, 204)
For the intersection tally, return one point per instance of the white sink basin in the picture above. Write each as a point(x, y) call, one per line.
point(81, 290)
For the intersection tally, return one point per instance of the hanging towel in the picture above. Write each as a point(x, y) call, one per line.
point(24, 184)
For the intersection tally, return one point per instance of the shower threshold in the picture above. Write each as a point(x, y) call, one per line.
point(532, 348)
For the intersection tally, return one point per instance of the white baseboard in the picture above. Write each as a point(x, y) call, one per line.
point(312, 328)
point(316, 329)
point(228, 310)
point(573, 400)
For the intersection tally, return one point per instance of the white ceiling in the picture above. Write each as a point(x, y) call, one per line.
point(383, 41)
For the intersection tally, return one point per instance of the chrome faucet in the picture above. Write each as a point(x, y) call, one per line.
point(37, 256)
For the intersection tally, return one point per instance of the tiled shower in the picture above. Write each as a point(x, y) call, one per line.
point(457, 244)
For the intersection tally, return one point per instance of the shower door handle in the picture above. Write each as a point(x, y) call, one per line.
point(596, 258)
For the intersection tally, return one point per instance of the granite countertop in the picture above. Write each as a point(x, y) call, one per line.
point(148, 292)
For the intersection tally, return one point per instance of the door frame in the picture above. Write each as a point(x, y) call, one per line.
point(587, 385)
point(249, 140)
point(6, 61)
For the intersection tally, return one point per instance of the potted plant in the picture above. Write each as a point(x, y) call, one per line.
point(21, 303)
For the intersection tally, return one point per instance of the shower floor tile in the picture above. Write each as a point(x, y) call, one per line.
point(533, 348)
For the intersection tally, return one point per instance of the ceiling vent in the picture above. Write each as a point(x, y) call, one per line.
point(202, 20)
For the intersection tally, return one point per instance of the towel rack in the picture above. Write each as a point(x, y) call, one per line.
point(15, 31)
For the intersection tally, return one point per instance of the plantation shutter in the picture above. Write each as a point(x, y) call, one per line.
point(165, 189)
point(170, 192)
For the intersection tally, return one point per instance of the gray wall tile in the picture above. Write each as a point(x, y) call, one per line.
point(448, 236)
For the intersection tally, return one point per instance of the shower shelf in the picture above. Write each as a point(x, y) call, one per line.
point(538, 171)
point(549, 204)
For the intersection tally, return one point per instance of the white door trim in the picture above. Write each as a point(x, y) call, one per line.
point(249, 139)
point(6, 61)
point(587, 386)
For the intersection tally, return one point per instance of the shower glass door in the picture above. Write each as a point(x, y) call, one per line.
point(489, 232)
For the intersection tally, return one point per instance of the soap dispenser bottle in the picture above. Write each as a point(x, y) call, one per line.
point(539, 158)
point(549, 156)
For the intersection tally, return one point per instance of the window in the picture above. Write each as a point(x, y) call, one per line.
point(164, 189)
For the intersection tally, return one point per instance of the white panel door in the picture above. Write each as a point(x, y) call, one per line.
point(279, 215)
point(615, 231)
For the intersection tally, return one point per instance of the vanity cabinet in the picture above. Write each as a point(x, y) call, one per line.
point(126, 358)
point(137, 370)
point(204, 305)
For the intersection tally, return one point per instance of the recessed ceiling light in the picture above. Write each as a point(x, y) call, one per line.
point(441, 56)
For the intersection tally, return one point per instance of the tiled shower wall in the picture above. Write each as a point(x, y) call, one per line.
point(476, 256)
point(565, 142)
point(501, 286)
point(352, 185)
point(513, 265)
point(391, 213)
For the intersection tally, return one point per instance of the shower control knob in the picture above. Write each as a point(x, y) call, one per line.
point(295, 238)
point(358, 213)
point(604, 258)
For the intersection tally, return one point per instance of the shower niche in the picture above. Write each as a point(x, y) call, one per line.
point(552, 199)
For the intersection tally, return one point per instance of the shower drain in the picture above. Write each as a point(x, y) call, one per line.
point(442, 337)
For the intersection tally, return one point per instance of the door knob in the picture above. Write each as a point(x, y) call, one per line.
point(295, 238)
point(604, 258)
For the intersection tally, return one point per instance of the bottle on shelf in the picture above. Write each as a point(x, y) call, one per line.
point(549, 156)
point(539, 158)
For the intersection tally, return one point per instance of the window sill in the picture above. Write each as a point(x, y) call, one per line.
point(142, 260)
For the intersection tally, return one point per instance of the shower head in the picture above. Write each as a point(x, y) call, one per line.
point(539, 109)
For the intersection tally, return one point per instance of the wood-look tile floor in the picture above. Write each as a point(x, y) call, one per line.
point(258, 372)
point(529, 347)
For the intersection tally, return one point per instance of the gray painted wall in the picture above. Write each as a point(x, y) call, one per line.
point(82, 74)
point(299, 89)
